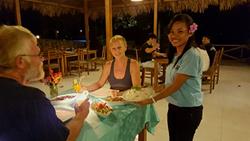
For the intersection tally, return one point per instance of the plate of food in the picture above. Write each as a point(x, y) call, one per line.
point(66, 99)
point(138, 94)
point(101, 108)
point(114, 100)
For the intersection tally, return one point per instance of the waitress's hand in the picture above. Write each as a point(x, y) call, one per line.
point(158, 88)
point(144, 102)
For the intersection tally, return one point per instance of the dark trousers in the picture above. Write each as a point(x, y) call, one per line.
point(183, 121)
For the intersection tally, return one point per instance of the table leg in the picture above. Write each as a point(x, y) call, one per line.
point(65, 65)
point(155, 74)
point(62, 65)
point(143, 135)
point(142, 77)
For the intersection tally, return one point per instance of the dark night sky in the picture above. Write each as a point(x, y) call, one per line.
point(227, 27)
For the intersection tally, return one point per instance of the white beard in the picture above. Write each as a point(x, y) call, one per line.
point(34, 73)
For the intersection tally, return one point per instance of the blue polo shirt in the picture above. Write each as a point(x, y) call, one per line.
point(27, 115)
point(189, 94)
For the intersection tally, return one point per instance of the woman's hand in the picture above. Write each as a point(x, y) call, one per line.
point(83, 88)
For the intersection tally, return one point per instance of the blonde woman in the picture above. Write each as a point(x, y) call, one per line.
point(122, 73)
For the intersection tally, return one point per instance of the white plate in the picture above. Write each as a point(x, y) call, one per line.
point(72, 99)
point(138, 95)
point(66, 99)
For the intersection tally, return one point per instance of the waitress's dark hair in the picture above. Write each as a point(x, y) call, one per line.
point(191, 42)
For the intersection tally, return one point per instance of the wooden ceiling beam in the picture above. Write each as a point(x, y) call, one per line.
point(91, 5)
point(54, 4)
point(122, 5)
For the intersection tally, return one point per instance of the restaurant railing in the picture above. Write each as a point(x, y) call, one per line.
point(48, 44)
point(240, 52)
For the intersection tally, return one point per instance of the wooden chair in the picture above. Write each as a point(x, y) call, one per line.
point(209, 75)
point(217, 72)
point(147, 72)
point(153, 73)
point(92, 65)
point(80, 64)
point(53, 59)
point(99, 60)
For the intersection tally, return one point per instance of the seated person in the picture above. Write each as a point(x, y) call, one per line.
point(122, 73)
point(150, 50)
point(209, 48)
point(25, 113)
point(205, 59)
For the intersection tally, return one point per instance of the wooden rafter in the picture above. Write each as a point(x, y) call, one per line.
point(54, 4)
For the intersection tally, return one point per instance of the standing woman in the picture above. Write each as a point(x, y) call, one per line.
point(183, 81)
point(122, 72)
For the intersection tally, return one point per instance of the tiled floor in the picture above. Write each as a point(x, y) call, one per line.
point(226, 115)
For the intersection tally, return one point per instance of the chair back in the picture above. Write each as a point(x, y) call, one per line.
point(217, 71)
point(215, 62)
point(220, 55)
point(104, 51)
point(53, 59)
point(80, 54)
point(210, 73)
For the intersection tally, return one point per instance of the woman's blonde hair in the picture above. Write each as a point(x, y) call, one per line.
point(120, 39)
point(13, 42)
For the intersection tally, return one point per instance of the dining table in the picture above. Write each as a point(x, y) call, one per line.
point(126, 121)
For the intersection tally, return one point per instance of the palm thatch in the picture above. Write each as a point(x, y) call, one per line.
point(120, 7)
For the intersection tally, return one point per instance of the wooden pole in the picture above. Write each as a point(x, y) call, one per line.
point(86, 23)
point(155, 16)
point(108, 22)
point(155, 32)
point(18, 12)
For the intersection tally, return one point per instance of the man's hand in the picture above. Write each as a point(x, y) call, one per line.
point(77, 122)
point(83, 109)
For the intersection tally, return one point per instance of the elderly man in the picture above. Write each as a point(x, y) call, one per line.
point(25, 113)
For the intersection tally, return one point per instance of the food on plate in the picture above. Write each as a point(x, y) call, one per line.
point(67, 99)
point(136, 94)
point(59, 98)
point(114, 92)
point(114, 98)
point(101, 108)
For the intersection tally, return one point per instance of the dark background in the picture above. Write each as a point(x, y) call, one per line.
point(225, 27)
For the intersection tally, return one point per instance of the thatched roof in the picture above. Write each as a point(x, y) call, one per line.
point(120, 7)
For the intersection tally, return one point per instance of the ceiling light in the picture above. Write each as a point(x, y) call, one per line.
point(136, 0)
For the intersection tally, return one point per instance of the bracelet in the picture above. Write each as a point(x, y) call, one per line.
point(153, 99)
